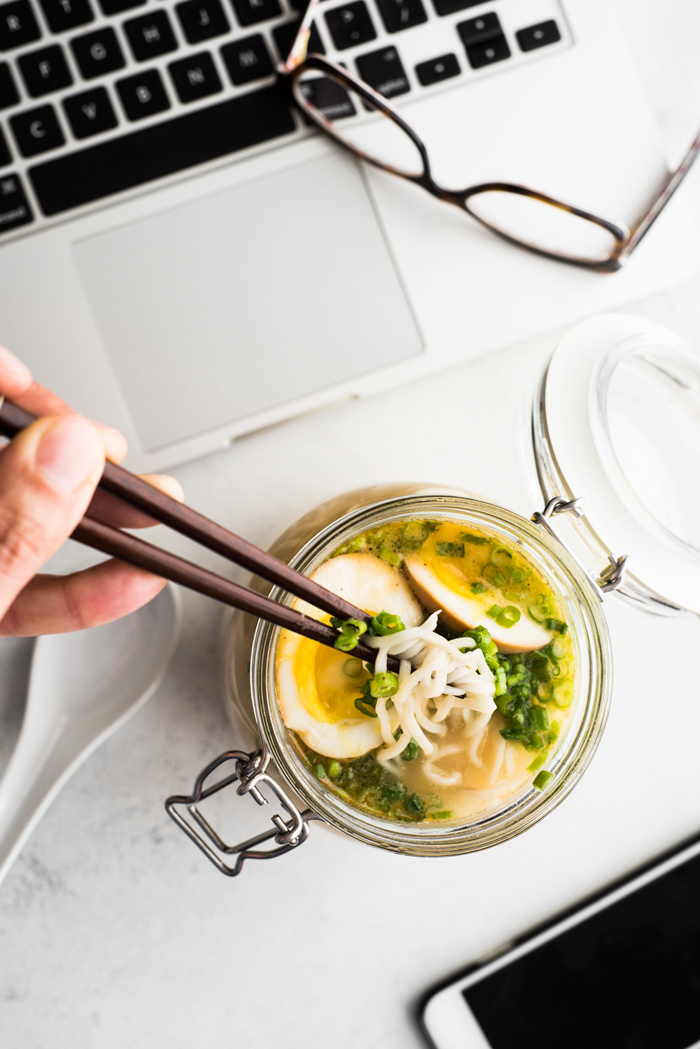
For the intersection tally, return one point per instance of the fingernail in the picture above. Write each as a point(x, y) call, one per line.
point(14, 366)
point(68, 452)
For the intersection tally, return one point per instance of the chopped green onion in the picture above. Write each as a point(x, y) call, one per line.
point(555, 650)
point(441, 815)
point(415, 532)
point(535, 614)
point(494, 575)
point(494, 611)
point(385, 623)
point(346, 642)
point(355, 546)
point(478, 588)
point(365, 707)
point(501, 557)
point(320, 771)
point(350, 632)
point(538, 762)
point(540, 718)
point(414, 803)
point(411, 750)
point(450, 549)
point(508, 617)
point(557, 625)
point(500, 681)
point(564, 694)
point(544, 691)
point(383, 685)
point(476, 540)
point(391, 556)
point(334, 769)
point(542, 780)
point(352, 667)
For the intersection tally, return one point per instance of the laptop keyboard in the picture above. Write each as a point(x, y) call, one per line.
point(101, 97)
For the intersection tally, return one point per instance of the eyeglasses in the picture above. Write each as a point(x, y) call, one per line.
point(330, 97)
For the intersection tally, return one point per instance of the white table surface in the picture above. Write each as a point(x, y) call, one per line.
point(115, 931)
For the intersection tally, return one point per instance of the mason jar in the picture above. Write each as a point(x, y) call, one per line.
point(601, 385)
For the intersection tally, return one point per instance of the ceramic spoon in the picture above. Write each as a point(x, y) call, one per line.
point(82, 687)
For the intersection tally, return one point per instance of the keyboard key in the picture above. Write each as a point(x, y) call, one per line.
point(5, 155)
point(90, 112)
point(150, 36)
point(486, 54)
point(162, 149)
point(329, 97)
point(195, 77)
point(350, 25)
point(45, 71)
point(538, 35)
point(97, 53)
point(383, 71)
point(202, 19)
point(401, 14)
point(247, 59)
point(248, 12)
point(113, 7)
point(437, 69)
point(479, 30)
point(8, 90)
point(285, 35)
point(448, 7)
point(17, 25)
point(36, 131)
point(143, 95)
point(66, 14)
point(14, 206)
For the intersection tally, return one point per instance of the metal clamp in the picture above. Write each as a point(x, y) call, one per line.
point(251, 776)
point(612, 575)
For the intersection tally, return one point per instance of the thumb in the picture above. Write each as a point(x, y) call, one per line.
point(47, 477)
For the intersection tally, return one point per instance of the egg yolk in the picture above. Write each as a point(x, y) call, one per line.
point(325, 687)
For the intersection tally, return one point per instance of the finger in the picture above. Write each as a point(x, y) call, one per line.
point(16, 382)
point(15, 377)
point(48, 474)
point(57, 604)
point(111, 510)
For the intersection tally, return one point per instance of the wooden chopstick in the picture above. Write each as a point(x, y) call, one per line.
point(183, 519)
point(137, 552)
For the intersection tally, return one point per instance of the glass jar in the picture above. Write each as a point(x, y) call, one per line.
point(252, 702)
point(615, 418)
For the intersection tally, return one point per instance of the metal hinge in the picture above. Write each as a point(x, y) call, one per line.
point(251, 776)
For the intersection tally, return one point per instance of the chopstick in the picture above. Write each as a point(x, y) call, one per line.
point(137, 552)
point(188, 522)
point(183, 519)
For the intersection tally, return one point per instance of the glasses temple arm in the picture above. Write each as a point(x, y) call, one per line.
point(301, 43)
point(673, 182)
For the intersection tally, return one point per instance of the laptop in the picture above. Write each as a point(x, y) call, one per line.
point(184, 258)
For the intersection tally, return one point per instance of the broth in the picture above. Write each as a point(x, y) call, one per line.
point(484, 747)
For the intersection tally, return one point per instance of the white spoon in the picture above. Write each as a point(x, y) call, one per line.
point(82, 687)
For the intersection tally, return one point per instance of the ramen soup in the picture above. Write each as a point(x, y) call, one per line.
point(486, 678)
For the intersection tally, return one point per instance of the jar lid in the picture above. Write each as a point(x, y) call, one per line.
point(621, 404)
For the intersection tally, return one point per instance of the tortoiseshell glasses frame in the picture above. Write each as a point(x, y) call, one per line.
point(622, 240)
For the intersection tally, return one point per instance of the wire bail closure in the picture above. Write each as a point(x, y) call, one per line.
point(251, 776)
point(612, 575)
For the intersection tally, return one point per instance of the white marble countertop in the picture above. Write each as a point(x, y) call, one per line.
point(115, 931)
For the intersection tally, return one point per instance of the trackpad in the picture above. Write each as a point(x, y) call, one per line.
point(246, 299)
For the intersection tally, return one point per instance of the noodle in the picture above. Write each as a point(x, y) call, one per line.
point(437, 665)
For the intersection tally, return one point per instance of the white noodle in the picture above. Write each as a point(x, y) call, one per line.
point(435, 677)
point(442, 779)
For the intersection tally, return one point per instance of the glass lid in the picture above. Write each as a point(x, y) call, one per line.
point(618, 422)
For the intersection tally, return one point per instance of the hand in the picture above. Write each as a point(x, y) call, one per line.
point(48, 476)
